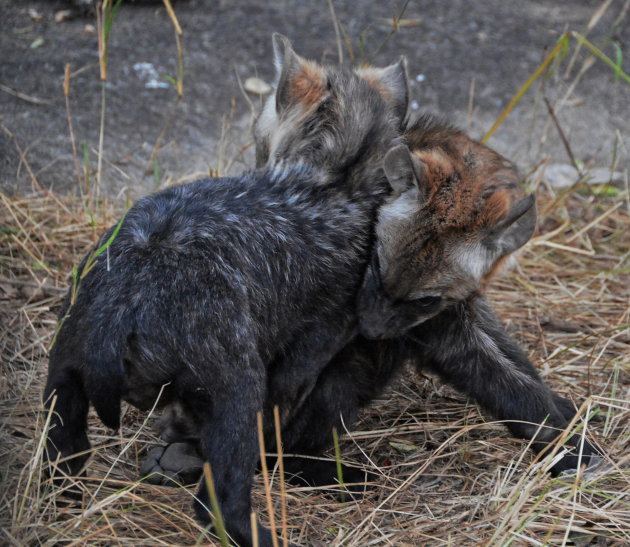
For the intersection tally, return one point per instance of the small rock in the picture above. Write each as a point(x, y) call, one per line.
point(63, 15)
point(404, 447)
point(37, 43)
point(34, 15)
point(8, 291)
point(603, 175)
point(257, 86)
point(89, 29)
point(150, 76)
point(31, 293)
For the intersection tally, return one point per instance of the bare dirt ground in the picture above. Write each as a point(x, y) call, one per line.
point(448, 475)
point(492, 46)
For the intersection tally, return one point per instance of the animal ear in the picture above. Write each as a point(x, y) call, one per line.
point(515, 228)
point(297, 79)
point(405, 172)
point(395, 81)
point(288, 65)
point(392, 83)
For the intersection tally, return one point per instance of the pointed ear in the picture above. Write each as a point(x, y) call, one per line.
point(298, 80)
point(404, 172)
point(392, 83)
point(515, 229)
point(288, 65)
point(395, 81)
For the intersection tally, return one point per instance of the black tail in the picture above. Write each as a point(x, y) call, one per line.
point(104, 372)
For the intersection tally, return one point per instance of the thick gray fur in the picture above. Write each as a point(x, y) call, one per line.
point(231, 295)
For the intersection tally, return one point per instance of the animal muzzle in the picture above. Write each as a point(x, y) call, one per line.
point(374, 307)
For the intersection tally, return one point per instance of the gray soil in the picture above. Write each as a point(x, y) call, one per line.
point(496, 44)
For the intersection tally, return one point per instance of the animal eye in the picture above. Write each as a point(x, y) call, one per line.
point(427, 301)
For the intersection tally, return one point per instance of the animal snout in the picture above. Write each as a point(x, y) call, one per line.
point(373, 307)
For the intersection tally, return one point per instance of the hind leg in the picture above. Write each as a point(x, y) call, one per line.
point(67, 438)
point(354, 377)
point(229, 443)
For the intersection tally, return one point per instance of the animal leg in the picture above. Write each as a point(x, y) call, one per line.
point(356, 375)
point(229, 443)
point(67, 435)
point(468, 347)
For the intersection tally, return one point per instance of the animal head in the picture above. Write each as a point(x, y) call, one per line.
point(454, 215)
point(327, 116)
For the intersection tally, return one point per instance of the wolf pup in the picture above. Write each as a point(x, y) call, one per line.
point(208, 284)
point(455, 214)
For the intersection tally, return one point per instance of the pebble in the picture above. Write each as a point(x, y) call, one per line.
point(257, 86)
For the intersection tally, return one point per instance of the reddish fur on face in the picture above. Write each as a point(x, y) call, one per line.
point(308, 87)
point(469, 188)
point(496, 207)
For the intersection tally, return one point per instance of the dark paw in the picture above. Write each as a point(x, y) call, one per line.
point(356, 482)
point(66, 475)
point(568, 464)
point(323, 473)
point(177, 463)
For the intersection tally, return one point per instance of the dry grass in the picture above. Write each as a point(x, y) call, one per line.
point(448, 475)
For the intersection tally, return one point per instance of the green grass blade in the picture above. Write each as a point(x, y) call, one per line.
point(110, 239)
point(561, 46)
point(602, 56)
point(338, 462)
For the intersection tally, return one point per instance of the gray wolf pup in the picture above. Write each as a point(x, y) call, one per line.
point(455, 215)
point(235, 293)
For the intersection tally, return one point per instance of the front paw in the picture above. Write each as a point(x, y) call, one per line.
point(571, 457)
point(323, 473)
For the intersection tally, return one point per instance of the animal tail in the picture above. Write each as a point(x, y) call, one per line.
point(104, 371)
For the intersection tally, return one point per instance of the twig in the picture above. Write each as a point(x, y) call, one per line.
point(393, 31)
point(283, 490)
point(34, 182)
point(23, 96)
point(597, 15)
point(337, 33)
point(180, 49)
point(66, 94)
point(158, 142)
point(565, 141)
point(265, 473)
point(562, 43)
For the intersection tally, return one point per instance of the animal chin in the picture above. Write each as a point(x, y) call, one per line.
point(373, 328)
